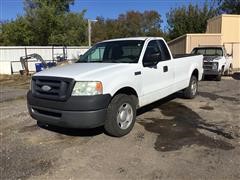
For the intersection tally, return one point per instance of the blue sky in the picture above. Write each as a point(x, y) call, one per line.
point(9, 9)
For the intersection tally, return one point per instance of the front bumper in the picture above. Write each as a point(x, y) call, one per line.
point(211, 72)
point(76, 112)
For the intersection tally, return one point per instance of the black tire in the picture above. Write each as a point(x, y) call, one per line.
point(41, 124)
point(190, 92)
point(229, 71)
point(112, 126)
point(219, 77)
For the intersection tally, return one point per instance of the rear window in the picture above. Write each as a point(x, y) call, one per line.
point(164, 51)
point(208, 51)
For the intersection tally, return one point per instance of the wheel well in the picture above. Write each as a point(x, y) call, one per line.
point(128, 91)
point(195, 73)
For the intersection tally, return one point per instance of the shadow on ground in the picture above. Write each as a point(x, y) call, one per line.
point(236, 76)
point(181, 127)
point(73, 132)
point(214, 96)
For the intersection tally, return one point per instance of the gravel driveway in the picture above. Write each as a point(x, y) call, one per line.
point(173, 138)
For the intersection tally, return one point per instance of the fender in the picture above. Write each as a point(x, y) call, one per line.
point(200, 70)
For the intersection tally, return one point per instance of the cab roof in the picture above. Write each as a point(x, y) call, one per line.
point(133, 38)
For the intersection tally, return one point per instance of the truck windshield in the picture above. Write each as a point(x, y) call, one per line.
point(127, 51)
point(208, 51)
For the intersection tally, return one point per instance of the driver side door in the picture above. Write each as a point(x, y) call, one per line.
point(157, 72)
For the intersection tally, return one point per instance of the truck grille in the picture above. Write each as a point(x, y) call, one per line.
point(53, 88)
point(207, 65)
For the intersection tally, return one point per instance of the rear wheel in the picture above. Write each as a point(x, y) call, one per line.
point(121, 115)
point(191, 91)
point(229, 71)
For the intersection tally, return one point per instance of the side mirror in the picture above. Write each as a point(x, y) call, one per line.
point(151, 60)
point(229, 55)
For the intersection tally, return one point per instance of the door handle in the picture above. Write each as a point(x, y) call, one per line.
point(137, 73)
point(165, 68)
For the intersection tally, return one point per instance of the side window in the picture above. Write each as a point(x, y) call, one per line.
point(165, 55)
point(219, 52)
point(152, 54)
point(97, 54)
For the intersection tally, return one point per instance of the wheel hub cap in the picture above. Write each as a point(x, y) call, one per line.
point(194, 87)
point(125, 116)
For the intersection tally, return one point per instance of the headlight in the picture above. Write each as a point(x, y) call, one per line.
point(215, 66)
point(87, 88)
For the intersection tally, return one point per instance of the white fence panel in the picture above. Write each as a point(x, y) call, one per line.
point(10, 55)
point(45, 53)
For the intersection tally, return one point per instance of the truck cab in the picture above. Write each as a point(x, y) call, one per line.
point(216, 61)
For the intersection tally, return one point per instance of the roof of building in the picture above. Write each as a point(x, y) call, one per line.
point(195, 34)
point(224, 15)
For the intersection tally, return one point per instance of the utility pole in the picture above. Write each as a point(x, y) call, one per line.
point(90, 30)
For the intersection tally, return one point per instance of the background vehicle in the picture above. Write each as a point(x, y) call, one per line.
point(216, 61)
point(109, 82)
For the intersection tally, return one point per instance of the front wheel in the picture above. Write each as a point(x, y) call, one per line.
point(191, 91)
point(219, 76)
point(121, 115)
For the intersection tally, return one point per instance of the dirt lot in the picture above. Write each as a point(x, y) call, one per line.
point(172, 139)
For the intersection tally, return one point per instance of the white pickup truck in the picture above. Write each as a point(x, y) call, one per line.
point(216, 61)
point(109, 82)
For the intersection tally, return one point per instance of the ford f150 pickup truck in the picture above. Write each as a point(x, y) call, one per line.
point(110, 82)
point(216, 61)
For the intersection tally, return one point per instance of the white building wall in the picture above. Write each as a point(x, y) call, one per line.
point(10, 55)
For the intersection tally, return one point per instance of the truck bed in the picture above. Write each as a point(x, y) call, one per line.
point(182, 55)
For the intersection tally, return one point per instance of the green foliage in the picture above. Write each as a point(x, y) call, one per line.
point(71, 30)
point(191, 19)
point(44, 23)
point(50, 22)
point(60, 6)
point(229, 6)
point(15, 33)
point(130, 24)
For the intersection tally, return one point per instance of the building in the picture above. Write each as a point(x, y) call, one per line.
point(221, 30)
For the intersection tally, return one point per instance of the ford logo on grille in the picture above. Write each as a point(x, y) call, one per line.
point(46, 88)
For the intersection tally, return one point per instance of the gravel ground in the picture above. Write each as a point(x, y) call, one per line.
point(173, 138)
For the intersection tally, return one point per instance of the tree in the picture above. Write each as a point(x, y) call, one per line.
point(131, 23)
point(229, 6)
point(60, 6)
point(191, 19)
point(71, 30)
point(15, 33)
point(42, 21)
point(45, 23)
point(50, 21)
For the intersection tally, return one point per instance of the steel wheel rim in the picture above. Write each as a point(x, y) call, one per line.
point(194, 87)
point(125, 116)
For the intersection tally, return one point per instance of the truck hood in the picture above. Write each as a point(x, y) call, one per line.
point(85, 71)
